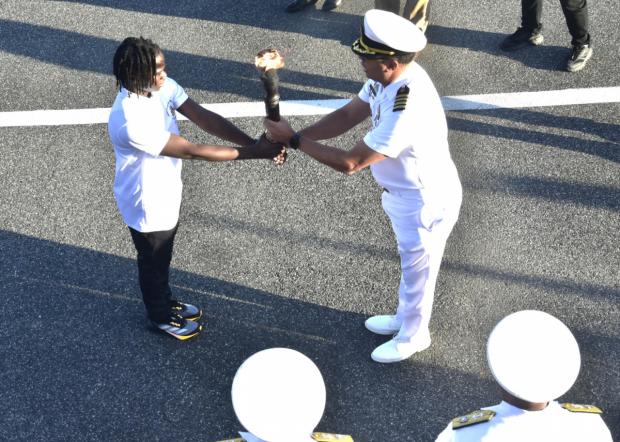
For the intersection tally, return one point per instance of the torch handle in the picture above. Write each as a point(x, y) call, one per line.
point(272, 99)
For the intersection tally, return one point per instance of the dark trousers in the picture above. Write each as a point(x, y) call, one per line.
point(575, 12)
point(154, 256)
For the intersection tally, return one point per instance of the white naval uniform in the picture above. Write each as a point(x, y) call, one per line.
point(512, 424)
point(147, 185)
point(423, 194)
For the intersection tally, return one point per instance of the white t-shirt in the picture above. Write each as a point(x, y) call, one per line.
point(512, 424)
point(147, 185)
point(409, 128)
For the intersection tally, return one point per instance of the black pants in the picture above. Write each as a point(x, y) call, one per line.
point(575, 12)
point(154, 256)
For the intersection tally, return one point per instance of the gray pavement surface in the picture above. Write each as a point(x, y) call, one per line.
point(299, 256)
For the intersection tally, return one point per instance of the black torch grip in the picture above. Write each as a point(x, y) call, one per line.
point(272, 98)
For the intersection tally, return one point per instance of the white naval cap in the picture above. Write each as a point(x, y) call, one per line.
point(387, 34)
point(533, 356)
point(278, 395)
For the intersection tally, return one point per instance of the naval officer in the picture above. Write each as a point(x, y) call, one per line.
point(535, 359)
point(407, 152)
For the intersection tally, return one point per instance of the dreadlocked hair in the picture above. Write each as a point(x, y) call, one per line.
point(134, 64)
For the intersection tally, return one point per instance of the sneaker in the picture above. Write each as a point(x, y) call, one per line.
point(396, 349)
point(522, 38)
point(383, 324)
point(186, 311)
point(330, 5)
point(179, 327)
point(298, 5)
point(578, 58)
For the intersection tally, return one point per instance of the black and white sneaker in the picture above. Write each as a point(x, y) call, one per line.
point(521, 38)
point(179, 327)
point(578, 58)
point(186, 311)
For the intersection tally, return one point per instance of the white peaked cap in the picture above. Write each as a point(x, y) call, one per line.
point(385, 33)
point(533, 356)
point(279, 395)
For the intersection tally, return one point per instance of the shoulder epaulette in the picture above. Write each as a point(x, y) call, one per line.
point(331, 437)
point(400, 102)
point(580, 408)
point(475, 417)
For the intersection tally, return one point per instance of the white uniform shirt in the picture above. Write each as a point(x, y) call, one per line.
point(414, 140)
point(512, 424)
point(147, 185)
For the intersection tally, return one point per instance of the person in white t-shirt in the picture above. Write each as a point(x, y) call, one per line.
point(407, 151)
point(143, 130)
point(534, 359)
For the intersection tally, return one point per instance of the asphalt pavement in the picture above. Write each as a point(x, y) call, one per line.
point(297, 256)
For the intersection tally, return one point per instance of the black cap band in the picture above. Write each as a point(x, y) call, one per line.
point(367, 47)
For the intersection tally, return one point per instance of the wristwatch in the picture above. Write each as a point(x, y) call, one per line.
point(293, 143)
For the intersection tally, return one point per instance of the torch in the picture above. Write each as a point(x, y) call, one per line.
point(268, 61)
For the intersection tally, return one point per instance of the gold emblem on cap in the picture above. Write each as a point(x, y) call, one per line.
point(362, 48)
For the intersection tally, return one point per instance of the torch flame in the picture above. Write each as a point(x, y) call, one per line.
point(268, 59)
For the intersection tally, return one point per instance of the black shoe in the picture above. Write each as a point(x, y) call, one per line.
point(578, 58)
point(330, 5)
point(186, 311)
point(298, 5)
point(178, 327)
point(522, 38)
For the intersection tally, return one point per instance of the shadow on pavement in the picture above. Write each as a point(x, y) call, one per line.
point(587, 126)
point(609, 150)
point(266, 14)
point(79, 362)
point(548, 58)
point(87, 53)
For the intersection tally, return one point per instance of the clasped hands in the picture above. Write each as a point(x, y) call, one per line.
point(280, 132)
point(275, 139)
point(267, 148)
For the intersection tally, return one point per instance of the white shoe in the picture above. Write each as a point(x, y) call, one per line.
point(395, 350)
point(383, 324)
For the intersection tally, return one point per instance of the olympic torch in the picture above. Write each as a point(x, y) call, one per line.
point(268, 61)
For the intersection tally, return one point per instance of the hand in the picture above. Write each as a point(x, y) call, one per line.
point(265, 148)
point(280, 131)
point(281, 159)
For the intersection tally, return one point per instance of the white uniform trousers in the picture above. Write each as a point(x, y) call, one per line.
point(422, 224)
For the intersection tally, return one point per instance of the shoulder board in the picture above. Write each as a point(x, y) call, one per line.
point(237, 439)
point(331, 437)
point(400, 102)
point(373, 92)
point(580, 408)
point(475, 417)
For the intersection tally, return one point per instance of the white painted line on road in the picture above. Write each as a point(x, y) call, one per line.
point(533, 99)
point(321, 107)
point(54, 117)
